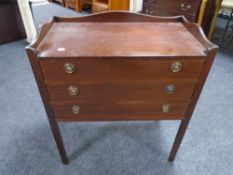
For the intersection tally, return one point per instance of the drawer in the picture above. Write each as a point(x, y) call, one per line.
point(170, 90)
point(99, 70)
point(172, 4)
point(185, 6)
point(119, 111)
point(158, 11)
point(191, 6)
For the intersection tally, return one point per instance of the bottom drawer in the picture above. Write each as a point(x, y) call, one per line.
point(120, 111)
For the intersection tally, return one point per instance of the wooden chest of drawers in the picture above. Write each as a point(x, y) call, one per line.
point(188, 8)
point(120, 66)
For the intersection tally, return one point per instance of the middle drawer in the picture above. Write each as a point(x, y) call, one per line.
point(153, 90)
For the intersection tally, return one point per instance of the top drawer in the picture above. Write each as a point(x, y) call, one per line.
point(185, 6)
point(99, 70)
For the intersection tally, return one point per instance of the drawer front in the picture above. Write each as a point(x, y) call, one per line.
point(191, 6)
point(99, 70)
point(152, 10)
point(111, 111)
point(174, 4)
point(158, 11)
point(185, 6)
point(127, 91)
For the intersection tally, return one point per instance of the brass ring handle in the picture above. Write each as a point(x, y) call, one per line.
point(69, 68)
point(175, 67)
point(170, 88)
point(183, 8)
point(151, 12)
point(76, 109)
point(166, 108)
point(73, 90)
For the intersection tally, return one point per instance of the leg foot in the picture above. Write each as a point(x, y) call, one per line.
point(59, 142)
point(178, 139)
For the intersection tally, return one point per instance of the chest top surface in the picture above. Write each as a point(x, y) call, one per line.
point(120, 34)
point(116, 39)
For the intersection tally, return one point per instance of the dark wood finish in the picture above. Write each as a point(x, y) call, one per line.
point(188, 8)
point(11, 23)
point(211, 9)
point(208, 15)
point(184, 123)
point(103, 47)
point(120, 78)
point(148, 90)
point(134, 110)
point(99, 69)
point(176, 5)
point(45, 98)
point(211, 51)
point(174, 8)
point(160, 11)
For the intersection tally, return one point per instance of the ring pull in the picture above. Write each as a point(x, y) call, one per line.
point(73, 90)
point(175, 67)
point(165, 108)
point(170, 88)
point(69, 68)
point(76, 109)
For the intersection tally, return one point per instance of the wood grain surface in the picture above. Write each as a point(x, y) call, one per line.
point(122, 66)
point(120, 112)
point(119, 69)
point(119, 39)
point(122, 91)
